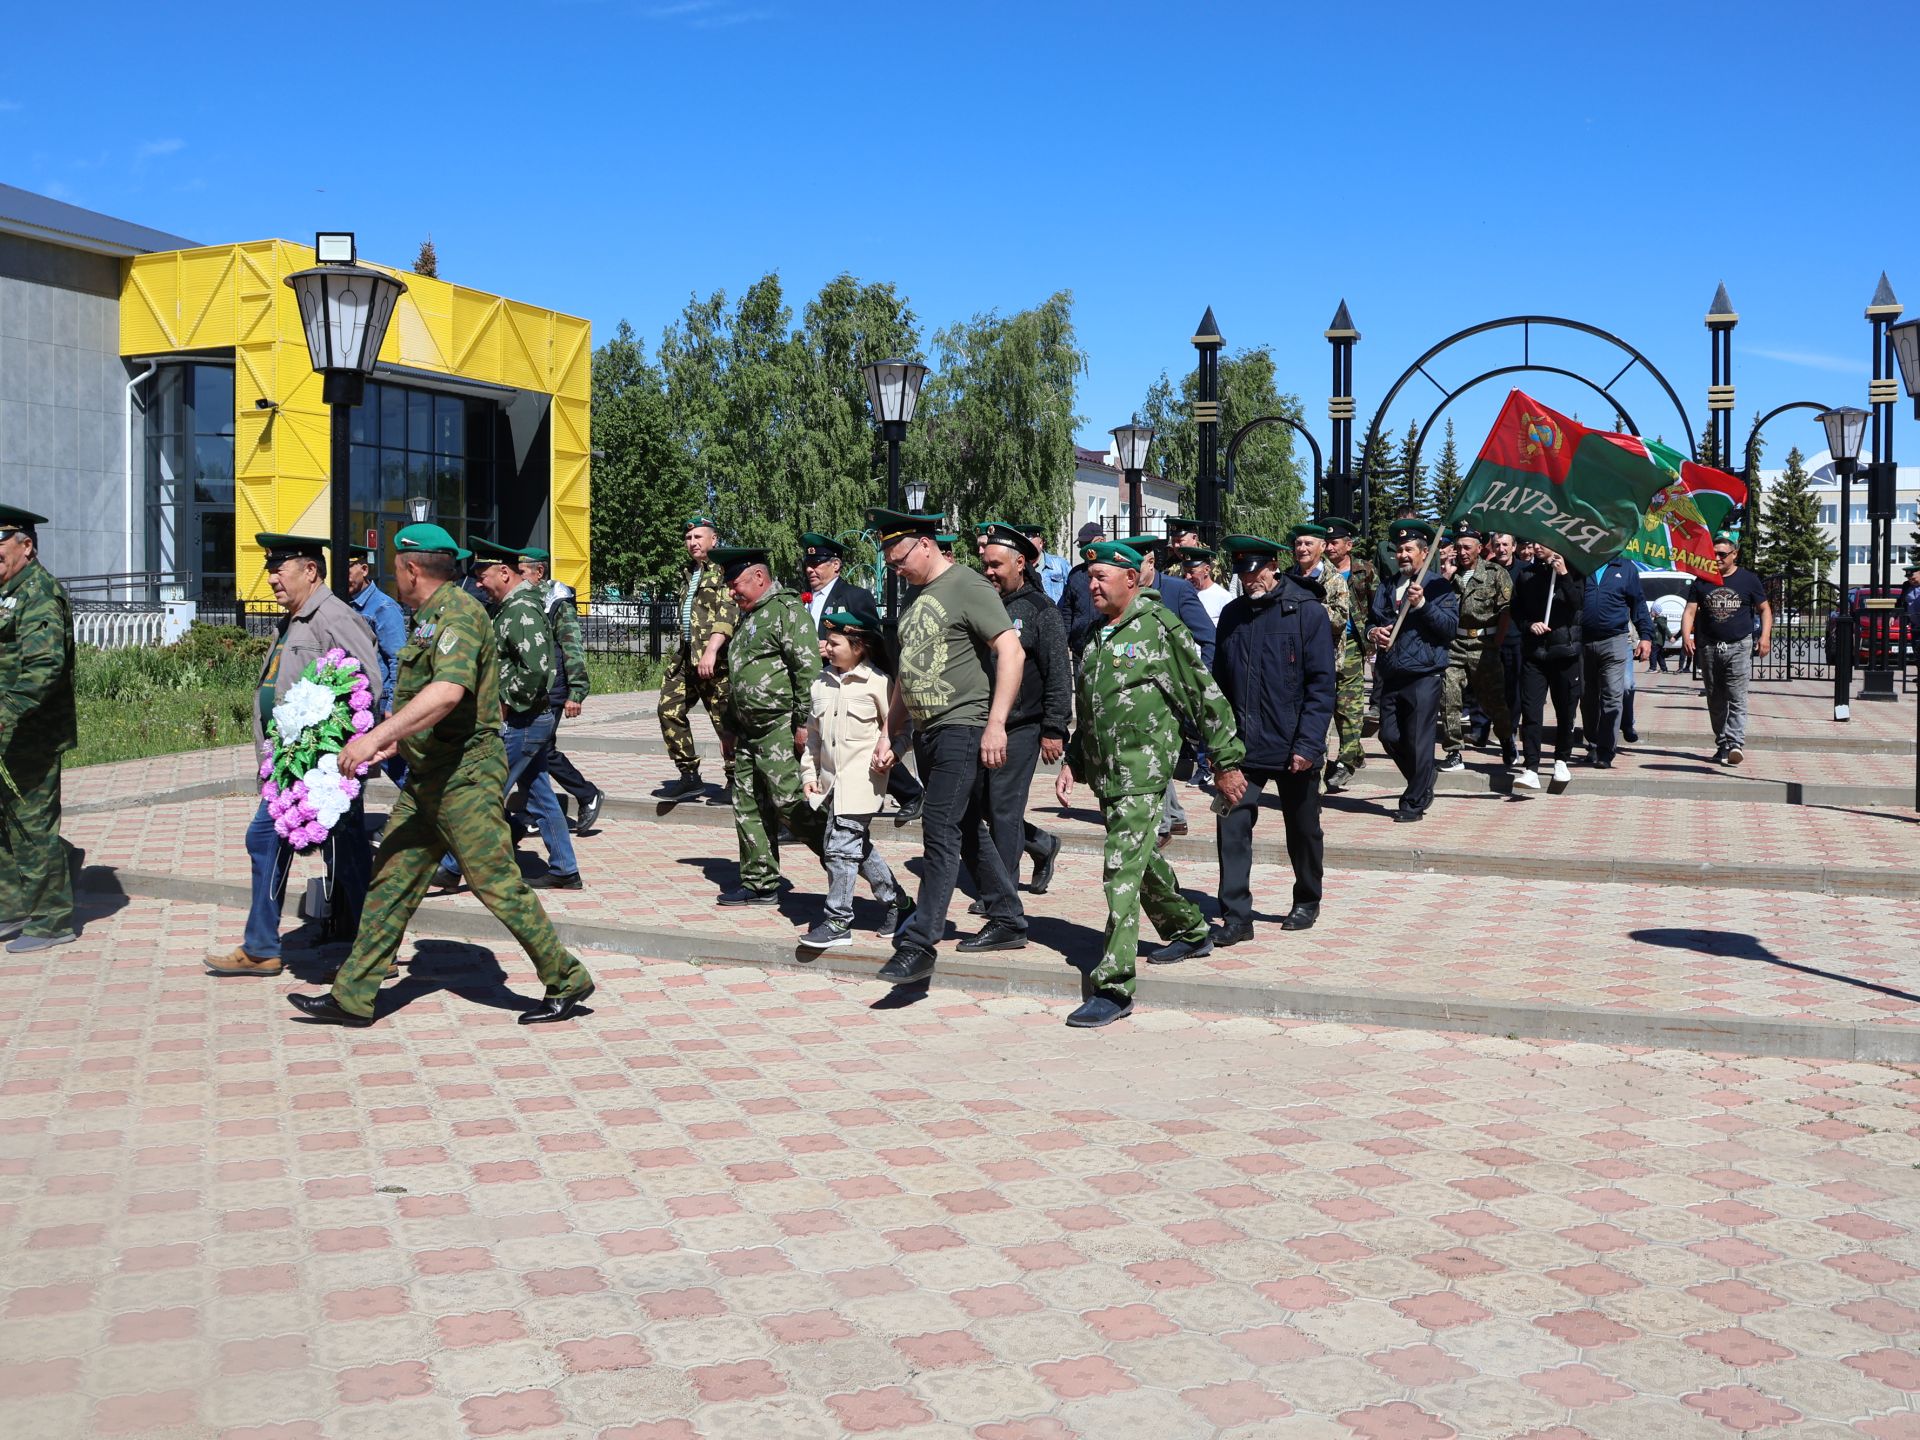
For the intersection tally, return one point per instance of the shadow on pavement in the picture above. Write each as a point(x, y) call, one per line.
point(1738, 945)
point(468, 971)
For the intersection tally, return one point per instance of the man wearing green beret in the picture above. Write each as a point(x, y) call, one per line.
point(772, 661)
point(528, 665)
point(707, 617)
point(1140, 679)
point(1350, 697)
point(1411, 661)
point(1473, 659)
point(446, 711)
point(37, 726)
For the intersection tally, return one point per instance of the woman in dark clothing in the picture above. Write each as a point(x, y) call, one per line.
point(1547, 601)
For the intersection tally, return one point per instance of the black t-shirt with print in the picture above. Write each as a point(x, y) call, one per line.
point(1727, 607)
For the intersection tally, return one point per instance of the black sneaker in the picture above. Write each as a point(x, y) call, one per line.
point(909, 963)
point(998, 935)
point(1452, 761)
point(589, 812)
point(1719, 756)
point(1339, 776)
point(896, 916)
point(1044, 859)
point(550, 881)
point(826, 936)
point(1100, 1010)
point(744, 896)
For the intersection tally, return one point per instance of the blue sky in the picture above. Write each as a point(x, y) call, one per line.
point(1435, 165)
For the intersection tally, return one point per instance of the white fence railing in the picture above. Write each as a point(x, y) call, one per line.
point(110, 625)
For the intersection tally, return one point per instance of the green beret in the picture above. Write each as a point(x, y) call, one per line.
point(946, 540)
point(428, 539)
point(486, 553)
point(1307, 527)
point(1179, 523)
point(535, 554)
point(1034, 532)
point(814, 546)
point(998, 532)
point(695, 522)
point(892, 525)
point(734, 560)
point(852, 623)
point(1726, 536)
point(1112, 552)
point(12, 517)
point(1411, 530)
point(281, 548)
point(1143, 545)
point(1339, 528)
point(1195, 552)
point(1468, 532)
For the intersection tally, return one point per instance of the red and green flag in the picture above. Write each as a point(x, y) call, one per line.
point(1692, 503)
point(1541, 476)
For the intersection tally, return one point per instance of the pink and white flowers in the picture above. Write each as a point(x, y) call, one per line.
point(301, 782)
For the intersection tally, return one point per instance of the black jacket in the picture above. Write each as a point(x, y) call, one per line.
point(1421, 648)
point(1046, 684)
point(1076, 610)
point(843, 594)
point(1273, 659)
point(1532, 583)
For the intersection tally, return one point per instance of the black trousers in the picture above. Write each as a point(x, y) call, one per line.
point(1299, 796)
point(949, 760)
point(563, 773)
point(1511, 665)
point(1408, 710)
point(998, 834)
point(1559, 676)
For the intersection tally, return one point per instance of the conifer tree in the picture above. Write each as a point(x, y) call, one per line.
point(1793, 547)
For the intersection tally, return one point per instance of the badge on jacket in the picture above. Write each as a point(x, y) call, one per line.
point(425, 632)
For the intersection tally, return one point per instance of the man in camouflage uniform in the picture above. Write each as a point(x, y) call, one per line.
point(707, 617)
point(1140, 677)
point(1350, 696)
point(36, 728)
point(570, 686)
point(446, 700)
point(1473, 659)
point(772, 660)
point(528, 664)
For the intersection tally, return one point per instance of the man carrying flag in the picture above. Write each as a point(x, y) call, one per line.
point(1412, 661)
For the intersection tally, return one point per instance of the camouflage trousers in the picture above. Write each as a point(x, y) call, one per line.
point(1138, 877)
point(1480, 672)
point(767, 795)
point(463, 816)
point(681, 687)
point(36, 882)
point(1350, 704)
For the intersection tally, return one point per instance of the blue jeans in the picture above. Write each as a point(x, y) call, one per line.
point(529, 747)
point(349, 859)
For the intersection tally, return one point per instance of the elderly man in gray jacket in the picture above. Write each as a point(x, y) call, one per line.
point(316, 621)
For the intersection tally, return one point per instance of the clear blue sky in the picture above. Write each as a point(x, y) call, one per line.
point(1434, 165)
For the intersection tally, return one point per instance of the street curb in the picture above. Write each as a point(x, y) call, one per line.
point(1056, 978)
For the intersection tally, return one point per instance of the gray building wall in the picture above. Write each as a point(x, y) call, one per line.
point(62, 398)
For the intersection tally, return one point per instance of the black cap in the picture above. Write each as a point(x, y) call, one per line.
point(997, 532)
point(735, 560)
point(12, 518)
point(281, 548)
point(892, 525)
point(1339, 528)
point(1090, 531)
point(815, 547)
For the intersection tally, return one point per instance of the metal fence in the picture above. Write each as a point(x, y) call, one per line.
point(118, 624)
point(631, 627)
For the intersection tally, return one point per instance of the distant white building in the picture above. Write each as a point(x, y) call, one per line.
point(1826, 488)
point(1100, 495)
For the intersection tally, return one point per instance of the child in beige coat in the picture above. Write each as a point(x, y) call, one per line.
point(849, 713)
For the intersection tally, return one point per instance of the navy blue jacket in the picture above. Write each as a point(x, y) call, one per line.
point(1274, 663)
point(1613, 597)
point(1422, 646)
point(1180, 597)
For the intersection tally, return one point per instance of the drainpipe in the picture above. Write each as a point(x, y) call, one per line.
point(126, 455)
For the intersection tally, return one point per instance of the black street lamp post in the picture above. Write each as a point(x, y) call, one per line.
point(1721, 318)
point(893, 390)
point(1131, 443)
point(1882, 485)
point(1845, 428)
point(1206, 415)
point(1905, 340)
point(344, 308)
point(1339, 484)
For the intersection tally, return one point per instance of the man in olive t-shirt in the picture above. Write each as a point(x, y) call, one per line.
point(959, 711)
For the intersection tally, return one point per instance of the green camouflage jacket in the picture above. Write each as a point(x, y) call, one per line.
point(527, 656)
point(453, 640)
point(772, 662)
point(1485, 592)
point(1338, 602)
point(563, 623)
point(1139, 676)
point(36, 664)
point(1360, 580)
point(714, 612)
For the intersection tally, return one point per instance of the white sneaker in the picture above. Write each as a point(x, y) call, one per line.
point(1526, 780)
point(1561, 775)
point(1735, 755)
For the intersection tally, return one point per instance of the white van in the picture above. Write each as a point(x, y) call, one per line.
point(1666, 591)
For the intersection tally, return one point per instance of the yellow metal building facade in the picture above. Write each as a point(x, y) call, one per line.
point(232, 300)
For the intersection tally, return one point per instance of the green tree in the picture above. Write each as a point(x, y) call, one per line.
point(642, 484)
point(997, 437)
point(1415, 491)
point(1382, 470)
point(1791, 540)
point(427, 261)
point(1269, 492)
point(1447, 478)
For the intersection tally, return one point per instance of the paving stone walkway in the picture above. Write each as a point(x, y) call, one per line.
point(732, 1205)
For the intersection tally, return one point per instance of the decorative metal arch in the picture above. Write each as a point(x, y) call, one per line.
point(1750, 472)
point(1526, 324)
point(1233, 445)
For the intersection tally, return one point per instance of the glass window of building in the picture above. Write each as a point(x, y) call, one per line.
point(190, 476)
point(412, 444)
point(1829, 514)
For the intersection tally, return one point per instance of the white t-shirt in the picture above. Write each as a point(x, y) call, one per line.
point(1214, 599)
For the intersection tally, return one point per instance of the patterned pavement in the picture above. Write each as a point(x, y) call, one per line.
point(732, 1205)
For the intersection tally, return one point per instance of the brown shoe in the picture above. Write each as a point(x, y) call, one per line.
point(238, 962)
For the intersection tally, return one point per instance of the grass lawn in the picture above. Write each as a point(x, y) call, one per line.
point(199, 694)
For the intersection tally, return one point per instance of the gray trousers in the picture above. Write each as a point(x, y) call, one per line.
point(1605, 665)
point(1725, 668)
point(1172, 812)
point(848, 851)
